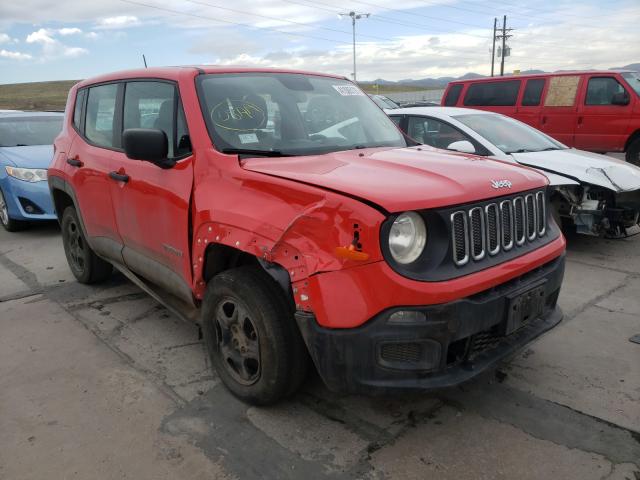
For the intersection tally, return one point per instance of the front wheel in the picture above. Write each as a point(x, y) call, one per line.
point(85, 265)
point(633, 153)
point(9, 224)
point(251, 336)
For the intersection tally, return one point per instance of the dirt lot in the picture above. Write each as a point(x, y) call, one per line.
point(102, 382)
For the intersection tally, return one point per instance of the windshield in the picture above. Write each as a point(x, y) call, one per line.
point(633, 79)
point(509, 135)
point(26, 131)
point(291, 114)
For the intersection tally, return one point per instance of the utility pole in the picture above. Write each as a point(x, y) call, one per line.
point(504, 37)
point(354, 16)
point(493, 49)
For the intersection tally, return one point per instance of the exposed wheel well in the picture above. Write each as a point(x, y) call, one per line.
point(61, 200)
point(219, 258)
point(634, 136)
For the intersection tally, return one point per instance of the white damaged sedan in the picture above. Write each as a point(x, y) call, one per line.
point(600, 195)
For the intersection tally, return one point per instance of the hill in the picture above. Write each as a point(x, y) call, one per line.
point(35, 95)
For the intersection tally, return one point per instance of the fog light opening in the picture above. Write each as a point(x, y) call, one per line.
point(407, 317)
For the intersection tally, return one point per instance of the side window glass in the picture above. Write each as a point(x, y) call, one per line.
point(151, 105)
point(495, 94)
point(600, 90)
point(77, 110)
point(533, 92)
point(435, 133)
point(101, 106)
point(453, 95)
point(396, 120)
point(562, 91)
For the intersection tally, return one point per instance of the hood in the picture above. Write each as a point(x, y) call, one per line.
point(34, 156)
point(400, 179)
point(587, 167)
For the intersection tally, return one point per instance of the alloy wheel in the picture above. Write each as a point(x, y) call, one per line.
point(4, 210)
point(76, 246)
point(237, 341)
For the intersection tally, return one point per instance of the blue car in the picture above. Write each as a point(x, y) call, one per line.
point(26, 150)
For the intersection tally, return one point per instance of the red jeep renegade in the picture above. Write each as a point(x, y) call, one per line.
point(286, 214)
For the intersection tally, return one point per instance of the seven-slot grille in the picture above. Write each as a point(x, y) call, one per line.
point(477, 231)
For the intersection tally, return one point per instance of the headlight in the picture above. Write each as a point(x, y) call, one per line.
point(27, 174)
point(407, 237)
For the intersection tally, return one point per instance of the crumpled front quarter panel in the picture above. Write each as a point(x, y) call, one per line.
point(288, 223)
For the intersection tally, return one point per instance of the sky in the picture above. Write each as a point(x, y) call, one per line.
point(44, 40)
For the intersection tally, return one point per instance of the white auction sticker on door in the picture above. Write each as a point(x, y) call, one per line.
point(248, 138)
point(348, 90)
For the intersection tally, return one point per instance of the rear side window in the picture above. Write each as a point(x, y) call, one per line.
point(77, 110)
point(533, 92)
point(100, 117)
point(156, 105)
point(497, 94)
point(453, 95)
point(600, 90)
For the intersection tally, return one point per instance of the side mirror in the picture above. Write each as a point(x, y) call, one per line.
point(463, 146)
point(620, 98)
point(147, 144)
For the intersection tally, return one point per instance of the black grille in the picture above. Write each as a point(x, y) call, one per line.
point(531, 217)
point(477, 231)
point(401, 352)
point(493, 242)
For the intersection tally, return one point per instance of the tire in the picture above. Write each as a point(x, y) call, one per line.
point(251, 336)
point(633, 153)
point(85, 265)
point(9, 224)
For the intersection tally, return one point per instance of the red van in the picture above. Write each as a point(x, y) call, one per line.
point(597, 111)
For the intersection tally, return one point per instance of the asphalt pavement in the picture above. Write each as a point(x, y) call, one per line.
point(103, 382)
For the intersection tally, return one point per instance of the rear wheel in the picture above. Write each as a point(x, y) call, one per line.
point(9, 224)
point(251, 336)
point(633, 152)
point(85, 265)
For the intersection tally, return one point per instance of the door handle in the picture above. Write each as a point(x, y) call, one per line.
point(119, 177)
point(579, 120)
point(74, 162)
point(544, 120)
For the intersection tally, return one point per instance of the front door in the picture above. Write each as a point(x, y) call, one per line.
point(601, 125)
point(90, 161)
point(151, 203)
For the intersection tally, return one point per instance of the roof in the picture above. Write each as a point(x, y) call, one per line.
point(172, 72)
point(437, 111)
point(24, 113)
point(540, 75)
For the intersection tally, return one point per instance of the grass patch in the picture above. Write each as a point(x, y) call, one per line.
point(35, 95)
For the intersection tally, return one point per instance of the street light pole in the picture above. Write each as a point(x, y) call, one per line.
point(354, 16)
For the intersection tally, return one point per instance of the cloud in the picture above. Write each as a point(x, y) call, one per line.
point(43, 36)
point(92, 35)
point(14, 55)
point(53, 48)
point(69, 31)
point(4, 38)
point(121, 21)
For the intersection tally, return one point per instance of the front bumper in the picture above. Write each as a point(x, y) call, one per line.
point(28, 201)
point(457, 341)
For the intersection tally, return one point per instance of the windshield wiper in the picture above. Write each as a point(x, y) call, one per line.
point(256, 153)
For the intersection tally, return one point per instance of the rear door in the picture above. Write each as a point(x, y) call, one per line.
point(529, 106)
point(152, 204)
point(89, 161)
point(559, 111)
point(601, 124)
